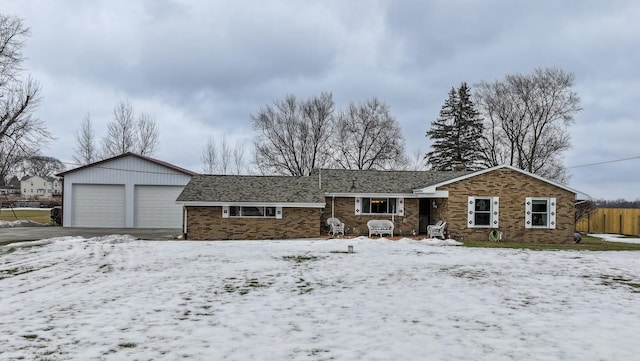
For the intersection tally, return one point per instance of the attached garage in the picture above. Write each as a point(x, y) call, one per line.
point(103, 205)
point(155, 207)
point(127, 191)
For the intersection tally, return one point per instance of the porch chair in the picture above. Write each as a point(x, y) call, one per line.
point(436, 229)
point(335, 226)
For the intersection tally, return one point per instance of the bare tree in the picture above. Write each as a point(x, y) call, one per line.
point(147, 135)
point(225, 155)
point(121, 133)
point(210, 157)
point(417, 161)
point(238, 158)
point(85, 151)
point(526, 121)
point(10, 157)
point(41, 166)
point(228, 158)
point(126, 135)
point(21, 134)
point(585, 209)
point(369, 137)
point(293, 135)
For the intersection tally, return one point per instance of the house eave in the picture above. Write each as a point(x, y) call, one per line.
point(434, 194)
point(252, 204)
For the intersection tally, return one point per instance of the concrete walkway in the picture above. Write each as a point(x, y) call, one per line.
point(8, 235)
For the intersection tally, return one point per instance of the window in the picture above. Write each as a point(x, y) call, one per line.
point(540, 213)
point(237, 211)
point(379, 206)
point(482, 212)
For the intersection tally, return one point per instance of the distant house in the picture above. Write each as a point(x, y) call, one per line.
point(12, 187)
point(36, 186)
point(126, 191)
point(522, 206)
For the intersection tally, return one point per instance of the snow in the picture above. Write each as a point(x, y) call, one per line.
point(21, 223)
point(118, 298)
point(616, 238)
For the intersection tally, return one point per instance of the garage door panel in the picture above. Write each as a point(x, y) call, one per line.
point(98, 205)
point(155, 207)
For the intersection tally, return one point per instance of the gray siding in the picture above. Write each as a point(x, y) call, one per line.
point(128, 171)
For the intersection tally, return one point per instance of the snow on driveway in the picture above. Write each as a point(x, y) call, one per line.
point(117, 298)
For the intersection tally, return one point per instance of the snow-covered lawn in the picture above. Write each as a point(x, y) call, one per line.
point(616, 238)
point(116, 298)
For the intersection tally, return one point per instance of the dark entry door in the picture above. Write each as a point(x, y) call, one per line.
point(425, 214)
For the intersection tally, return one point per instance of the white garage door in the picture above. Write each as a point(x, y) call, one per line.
point(98, 205)
point(155, 207)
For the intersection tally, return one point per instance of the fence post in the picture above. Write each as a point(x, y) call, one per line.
point(604, 223)
point(620, 224)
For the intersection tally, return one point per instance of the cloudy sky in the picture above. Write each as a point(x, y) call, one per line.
point(201, 68)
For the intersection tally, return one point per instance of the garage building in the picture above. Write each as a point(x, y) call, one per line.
point(126, 191)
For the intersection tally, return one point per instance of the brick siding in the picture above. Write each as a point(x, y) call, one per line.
point(512, 187)
point(206, 223)
point(357, 225)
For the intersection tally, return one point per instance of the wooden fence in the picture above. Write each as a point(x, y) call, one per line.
point(612, 220)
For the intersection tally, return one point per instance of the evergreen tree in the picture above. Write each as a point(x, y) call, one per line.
point(456, 133)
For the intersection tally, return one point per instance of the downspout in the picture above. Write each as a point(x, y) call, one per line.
point(184, 222)
point(333, 203)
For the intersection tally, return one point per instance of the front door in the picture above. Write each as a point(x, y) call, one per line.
point(425, 214)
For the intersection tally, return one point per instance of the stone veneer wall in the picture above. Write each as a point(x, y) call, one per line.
point(206, 223)
point(512, 187)
point(357, 225)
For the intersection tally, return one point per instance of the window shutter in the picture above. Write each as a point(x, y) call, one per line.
point(400, 205)
point(278, 212)
point(495, 212)
point(527, 212)
point(471, 219)
point(552, 213)
point(225, 211)
point(358, 206)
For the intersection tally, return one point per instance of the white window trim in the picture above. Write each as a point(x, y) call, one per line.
point(551, 211)
point(494, 221)
point(226, 212)
point(399, 206)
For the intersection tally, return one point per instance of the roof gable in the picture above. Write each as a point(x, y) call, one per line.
point(129, 154)
point(579, 195)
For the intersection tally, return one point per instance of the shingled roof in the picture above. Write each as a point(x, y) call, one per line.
point(379, 181)
point(255, 189)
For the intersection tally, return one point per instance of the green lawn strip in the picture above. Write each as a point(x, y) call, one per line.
point(36, 215)
point(587, 243)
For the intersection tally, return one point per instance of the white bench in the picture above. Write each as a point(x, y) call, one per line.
point(380, 227)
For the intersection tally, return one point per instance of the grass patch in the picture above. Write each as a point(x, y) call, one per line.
point(588, 243)
point(243, 287)
point(301, 258)
point(36, 215)
point(611, 280)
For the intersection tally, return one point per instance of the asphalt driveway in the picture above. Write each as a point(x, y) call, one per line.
point(8, 235)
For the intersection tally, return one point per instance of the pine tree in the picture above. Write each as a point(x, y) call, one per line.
point(456, 133)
